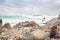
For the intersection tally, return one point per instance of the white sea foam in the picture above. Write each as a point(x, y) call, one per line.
point(17, 19)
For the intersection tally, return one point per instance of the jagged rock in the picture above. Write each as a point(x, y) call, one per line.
point(17, 26)
point(26, 24)
point(7, 25)
point(38, 34)
point(30, 24)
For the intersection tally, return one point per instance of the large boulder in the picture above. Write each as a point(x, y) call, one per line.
point(38, 34)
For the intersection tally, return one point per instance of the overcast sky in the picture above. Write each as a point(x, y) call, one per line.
point(31, 7)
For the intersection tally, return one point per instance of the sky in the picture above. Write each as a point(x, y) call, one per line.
point(30, 7)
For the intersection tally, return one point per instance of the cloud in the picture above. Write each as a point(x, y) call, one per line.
point(32, 7)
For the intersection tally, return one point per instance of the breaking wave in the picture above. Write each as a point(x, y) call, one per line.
point(15, 19)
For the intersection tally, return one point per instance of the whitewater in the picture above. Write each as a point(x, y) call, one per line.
point(14, 19)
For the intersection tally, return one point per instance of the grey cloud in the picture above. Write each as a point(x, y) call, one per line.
point(43, 7)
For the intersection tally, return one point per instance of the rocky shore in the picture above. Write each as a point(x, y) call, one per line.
point(29, 30)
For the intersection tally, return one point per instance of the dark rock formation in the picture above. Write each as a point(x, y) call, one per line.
point(0, 22)
point(54, 32)
point(7, 25)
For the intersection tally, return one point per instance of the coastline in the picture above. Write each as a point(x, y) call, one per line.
point(28, 29)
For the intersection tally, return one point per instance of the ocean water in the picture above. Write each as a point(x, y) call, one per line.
point(14, 19)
